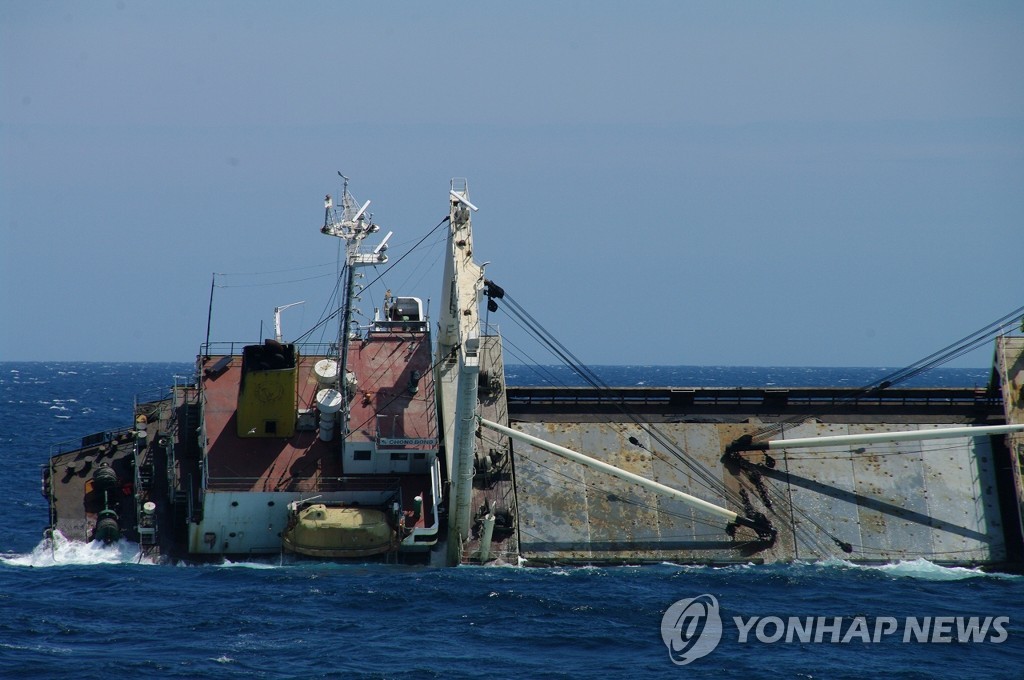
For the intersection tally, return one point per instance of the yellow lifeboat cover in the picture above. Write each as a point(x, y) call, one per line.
point(322, 530)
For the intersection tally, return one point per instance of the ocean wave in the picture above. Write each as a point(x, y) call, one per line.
point(58, 551)
point(923, 569)
point(40, 648)
point(228, 564)
point(919, 568)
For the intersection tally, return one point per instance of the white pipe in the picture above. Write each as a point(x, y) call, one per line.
point(485, 539)
point(909, 435)
point(460, 506)
point(651, 485)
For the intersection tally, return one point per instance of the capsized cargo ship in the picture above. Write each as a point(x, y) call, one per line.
point(401, 442)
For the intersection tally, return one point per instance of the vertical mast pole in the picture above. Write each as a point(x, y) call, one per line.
point(343, 340)
point(209, 313)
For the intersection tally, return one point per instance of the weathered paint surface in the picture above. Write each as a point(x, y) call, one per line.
point(916, 499)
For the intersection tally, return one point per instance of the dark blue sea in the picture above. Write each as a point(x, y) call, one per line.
point(85, 611)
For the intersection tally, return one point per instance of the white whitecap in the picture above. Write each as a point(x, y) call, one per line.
point(59, 551)
point(923, 569)
point(919, 568)
point(227, 564)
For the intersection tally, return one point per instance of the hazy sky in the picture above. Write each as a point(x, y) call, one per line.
point(785, 183)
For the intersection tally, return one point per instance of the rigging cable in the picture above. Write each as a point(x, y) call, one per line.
point(952, 351)
point(595, 381)
point(705, 477)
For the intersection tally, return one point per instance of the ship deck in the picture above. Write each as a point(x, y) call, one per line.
point(383, 407)
point(239, 463)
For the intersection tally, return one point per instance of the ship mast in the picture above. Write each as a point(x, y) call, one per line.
point(352, 226)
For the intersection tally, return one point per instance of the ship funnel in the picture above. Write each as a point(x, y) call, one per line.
point(267, 401)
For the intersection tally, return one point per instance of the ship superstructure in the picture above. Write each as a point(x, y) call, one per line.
point(325, 450)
